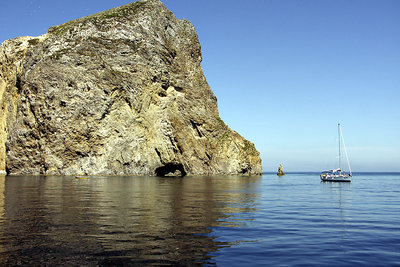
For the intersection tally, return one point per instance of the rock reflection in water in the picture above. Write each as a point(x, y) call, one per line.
point(118, 220)
point(2, 180)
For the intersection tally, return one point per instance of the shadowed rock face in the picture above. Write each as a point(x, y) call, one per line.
point(116, 93)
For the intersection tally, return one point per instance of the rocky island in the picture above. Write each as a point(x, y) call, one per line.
point(120, 92)
point(280, 171)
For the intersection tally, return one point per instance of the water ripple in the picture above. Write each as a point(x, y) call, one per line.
point(294, 220)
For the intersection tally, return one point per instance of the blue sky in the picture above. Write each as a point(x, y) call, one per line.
point(284, 72)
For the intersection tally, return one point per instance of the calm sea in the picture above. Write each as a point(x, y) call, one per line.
point(294, 220)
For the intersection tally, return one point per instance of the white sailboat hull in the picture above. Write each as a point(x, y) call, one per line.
point(335, 178)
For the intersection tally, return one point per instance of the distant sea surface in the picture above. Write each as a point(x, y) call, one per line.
point(293, 220)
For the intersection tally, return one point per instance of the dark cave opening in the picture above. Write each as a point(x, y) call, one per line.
point(171, 169)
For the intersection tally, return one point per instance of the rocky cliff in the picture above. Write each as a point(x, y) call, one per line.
point(119, 92)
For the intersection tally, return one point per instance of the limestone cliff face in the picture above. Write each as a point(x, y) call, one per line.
point(116, 93)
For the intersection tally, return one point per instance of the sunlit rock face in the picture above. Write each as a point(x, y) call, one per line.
point(120, 92)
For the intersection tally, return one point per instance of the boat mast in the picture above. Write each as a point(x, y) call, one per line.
point(345, 151)
point(340, 167)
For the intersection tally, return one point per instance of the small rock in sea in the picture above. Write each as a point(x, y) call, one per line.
point(280, 170)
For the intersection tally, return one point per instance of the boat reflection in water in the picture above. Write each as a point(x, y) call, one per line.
point(119, 220)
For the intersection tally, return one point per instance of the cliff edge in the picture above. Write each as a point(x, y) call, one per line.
point(120, 92)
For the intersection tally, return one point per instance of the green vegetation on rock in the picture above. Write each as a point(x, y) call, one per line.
point(98, 18)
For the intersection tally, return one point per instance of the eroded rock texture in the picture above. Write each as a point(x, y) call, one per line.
point(116, 93)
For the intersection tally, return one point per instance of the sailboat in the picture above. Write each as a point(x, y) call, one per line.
point(337, 175)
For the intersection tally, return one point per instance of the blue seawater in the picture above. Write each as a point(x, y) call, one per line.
point(293, 220)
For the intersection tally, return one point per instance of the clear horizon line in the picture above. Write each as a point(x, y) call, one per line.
point(268, 172)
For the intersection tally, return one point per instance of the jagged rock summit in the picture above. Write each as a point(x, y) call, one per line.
point(120, 92)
